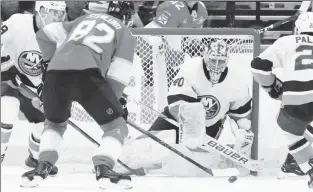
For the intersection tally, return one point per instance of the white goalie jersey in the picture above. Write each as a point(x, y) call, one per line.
point(19, 47)
point(230, 96)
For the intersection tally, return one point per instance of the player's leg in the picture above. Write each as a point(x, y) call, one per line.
point(290, 165)
point(37, 119)
point(294, 121)
point(107, 111)
point(10, 107)
point(58, 90)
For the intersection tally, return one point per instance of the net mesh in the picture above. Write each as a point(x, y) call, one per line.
point(170, 51)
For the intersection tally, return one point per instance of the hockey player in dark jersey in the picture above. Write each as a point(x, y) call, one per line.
point(91, 66)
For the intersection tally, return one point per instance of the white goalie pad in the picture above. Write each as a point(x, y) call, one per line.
point(191, 119)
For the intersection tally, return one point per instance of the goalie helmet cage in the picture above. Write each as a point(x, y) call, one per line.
point(160, 52)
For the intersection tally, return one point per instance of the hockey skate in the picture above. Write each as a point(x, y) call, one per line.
point(34, 177)
point(290, 168)
point(108, 179)
point(32, 163)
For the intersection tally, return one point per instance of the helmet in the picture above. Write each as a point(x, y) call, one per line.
point(122, 10)
point(304, 23)
point(215, 59)
point(51, 11)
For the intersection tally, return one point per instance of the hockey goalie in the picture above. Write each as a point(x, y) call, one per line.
point(203, 94)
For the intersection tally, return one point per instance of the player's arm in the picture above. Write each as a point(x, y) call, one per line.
point(51, 37)
point(118, 74)
point(168, 14)
point(262, 68)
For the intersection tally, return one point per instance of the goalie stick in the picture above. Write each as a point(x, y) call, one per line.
point(138, 172)
point(304, 7)
point(212, 144)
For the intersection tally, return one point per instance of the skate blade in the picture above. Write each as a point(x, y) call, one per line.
point(26, 183)
point(105, 184)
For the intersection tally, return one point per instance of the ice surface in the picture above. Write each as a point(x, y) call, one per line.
point(10, 181)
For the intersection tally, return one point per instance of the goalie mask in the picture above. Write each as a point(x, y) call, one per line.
point(215, 59)
point(304, 23)
point(51, 11)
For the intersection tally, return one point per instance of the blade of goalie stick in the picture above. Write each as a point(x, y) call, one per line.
point(138, 172)
point(304, 7)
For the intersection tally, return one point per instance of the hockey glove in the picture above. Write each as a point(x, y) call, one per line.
point(124, 105)
point(275, 90)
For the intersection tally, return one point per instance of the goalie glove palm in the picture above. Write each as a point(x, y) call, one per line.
point(276, 89)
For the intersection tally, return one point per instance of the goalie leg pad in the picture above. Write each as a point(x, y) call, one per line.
point(50, 141)
point(191, 119)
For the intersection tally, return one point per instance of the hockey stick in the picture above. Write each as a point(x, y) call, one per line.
point(304, 7)
point(212, 145)
point(138, 172)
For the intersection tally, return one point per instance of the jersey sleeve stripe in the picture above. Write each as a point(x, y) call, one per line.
point(120, 70)
point(242, 109)
point(179, 97)
point(298, 86)
point(297, 92)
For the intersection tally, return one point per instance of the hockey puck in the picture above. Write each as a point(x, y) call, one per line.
point(232, 179)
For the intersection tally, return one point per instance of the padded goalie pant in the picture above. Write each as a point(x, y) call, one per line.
point(88, 88)
point(161, 124)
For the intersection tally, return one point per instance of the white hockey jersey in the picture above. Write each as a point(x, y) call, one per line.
point(230, 96)
point(294, 54)
point(19, 46)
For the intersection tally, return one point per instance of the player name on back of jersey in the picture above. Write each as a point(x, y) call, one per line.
point(106, 18)
point(304, 39)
